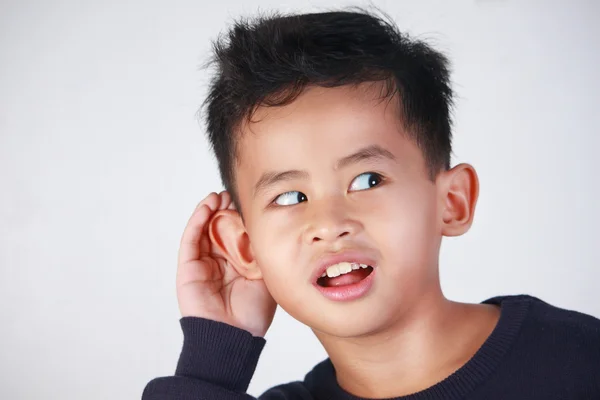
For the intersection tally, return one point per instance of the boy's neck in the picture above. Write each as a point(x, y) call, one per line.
point(428, 344)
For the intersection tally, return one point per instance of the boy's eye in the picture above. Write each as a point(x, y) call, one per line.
point(290, 198)
point(366, 181)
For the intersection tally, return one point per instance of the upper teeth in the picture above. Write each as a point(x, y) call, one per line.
point(341, 269)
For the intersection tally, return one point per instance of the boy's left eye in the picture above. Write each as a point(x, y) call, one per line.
point(366, 181)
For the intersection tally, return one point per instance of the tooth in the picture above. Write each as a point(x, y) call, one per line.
point(363, 265)
point(355, 266)
point(345, 267)
point(333, 271)
point(324, 275)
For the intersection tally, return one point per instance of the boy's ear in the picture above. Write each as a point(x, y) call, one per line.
point(226, 231)
point(460, 190)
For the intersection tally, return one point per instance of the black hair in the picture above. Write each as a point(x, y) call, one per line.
point(269, 61)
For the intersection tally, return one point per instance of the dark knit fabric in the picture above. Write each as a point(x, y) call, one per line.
point(537, 351)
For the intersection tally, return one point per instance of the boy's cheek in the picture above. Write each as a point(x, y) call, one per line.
point(272, 262)
point(280, 287)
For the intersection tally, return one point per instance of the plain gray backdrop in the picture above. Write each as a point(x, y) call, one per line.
point(102, 160)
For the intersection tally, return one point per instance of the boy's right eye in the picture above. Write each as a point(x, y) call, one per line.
point(290, 198)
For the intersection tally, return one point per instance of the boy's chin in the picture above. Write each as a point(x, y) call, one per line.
point(359, 328)
point(355, 321)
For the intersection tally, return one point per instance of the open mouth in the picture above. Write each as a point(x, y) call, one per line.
point(344, 273)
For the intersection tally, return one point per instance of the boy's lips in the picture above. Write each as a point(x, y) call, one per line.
point(350, 256)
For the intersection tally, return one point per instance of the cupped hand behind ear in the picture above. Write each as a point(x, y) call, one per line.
point(217, 277)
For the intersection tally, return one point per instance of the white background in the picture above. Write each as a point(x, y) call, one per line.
point(102, 161)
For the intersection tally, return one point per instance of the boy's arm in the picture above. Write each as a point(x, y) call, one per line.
point(217, 362)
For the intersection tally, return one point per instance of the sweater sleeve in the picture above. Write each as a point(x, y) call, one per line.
point(216, 362)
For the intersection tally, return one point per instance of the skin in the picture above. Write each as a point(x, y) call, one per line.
point(403, 335)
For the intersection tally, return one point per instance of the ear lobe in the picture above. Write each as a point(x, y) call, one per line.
point(460, 198)
point(227, 233)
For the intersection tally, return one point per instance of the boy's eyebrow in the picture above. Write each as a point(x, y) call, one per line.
point(370, 152)
point(269, 178)
point(366, 153)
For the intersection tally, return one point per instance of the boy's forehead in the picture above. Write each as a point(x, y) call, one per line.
point(347, 112)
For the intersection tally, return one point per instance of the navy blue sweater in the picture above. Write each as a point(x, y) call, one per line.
point(537, 351)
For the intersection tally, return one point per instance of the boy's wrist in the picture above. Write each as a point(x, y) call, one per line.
point(218, 353)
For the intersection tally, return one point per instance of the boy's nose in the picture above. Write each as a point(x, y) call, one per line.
point(331, 224)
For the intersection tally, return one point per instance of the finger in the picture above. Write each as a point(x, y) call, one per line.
point(213, 201)
point(189, 248)
point(205, 241)
point(231, 203)
point(208, 200)
point(220, 202)
point(227, 203)
point(225, 200)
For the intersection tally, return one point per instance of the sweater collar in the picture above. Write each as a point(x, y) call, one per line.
point(322, 382)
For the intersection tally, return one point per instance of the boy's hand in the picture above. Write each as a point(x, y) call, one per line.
point(208, 286)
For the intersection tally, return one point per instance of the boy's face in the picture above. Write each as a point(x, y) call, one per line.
point(353, 185)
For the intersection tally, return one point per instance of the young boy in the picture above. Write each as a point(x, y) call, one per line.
point(332, 133)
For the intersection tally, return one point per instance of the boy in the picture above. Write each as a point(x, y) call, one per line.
point(332, 133)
